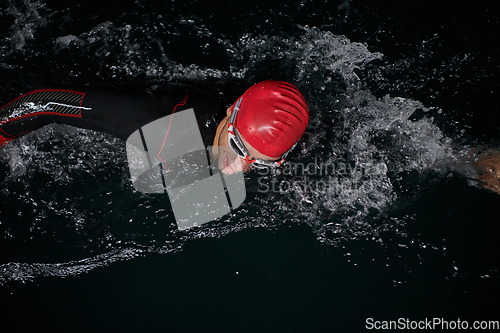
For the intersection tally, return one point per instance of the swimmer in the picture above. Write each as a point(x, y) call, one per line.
point(258, 130)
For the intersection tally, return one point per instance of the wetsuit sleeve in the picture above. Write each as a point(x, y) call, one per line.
point(114, 111)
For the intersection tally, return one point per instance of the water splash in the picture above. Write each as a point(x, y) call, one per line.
point(28, 16)
point(70, 186)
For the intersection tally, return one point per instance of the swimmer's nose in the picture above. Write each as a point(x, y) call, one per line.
point(240, 165)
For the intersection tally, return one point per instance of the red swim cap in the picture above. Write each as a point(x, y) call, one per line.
point(272, 117)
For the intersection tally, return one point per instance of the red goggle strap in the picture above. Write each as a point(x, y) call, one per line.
point(230, 128)
point(248, 160)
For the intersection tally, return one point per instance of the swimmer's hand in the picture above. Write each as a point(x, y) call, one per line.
point(487, 165)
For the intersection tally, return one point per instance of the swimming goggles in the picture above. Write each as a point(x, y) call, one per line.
point(239, 149)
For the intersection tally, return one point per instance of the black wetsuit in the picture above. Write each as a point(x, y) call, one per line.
point(114, 111)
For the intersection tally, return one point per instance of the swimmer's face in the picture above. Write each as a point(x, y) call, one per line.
point(228, 161)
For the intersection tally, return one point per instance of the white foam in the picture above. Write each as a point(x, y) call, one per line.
point(29, 17)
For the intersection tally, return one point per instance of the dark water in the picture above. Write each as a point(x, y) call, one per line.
point(399, 93)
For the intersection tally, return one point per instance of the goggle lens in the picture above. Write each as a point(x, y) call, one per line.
point(236, 149)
